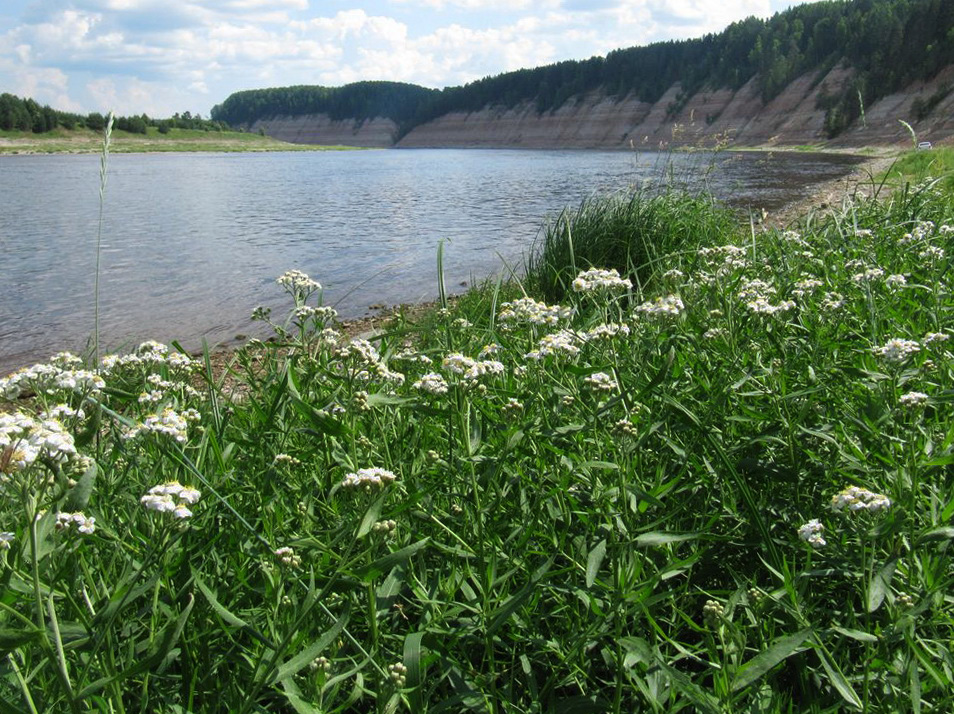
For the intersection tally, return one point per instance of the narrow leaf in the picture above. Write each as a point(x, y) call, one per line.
point(593, 562)
point(880, 584)
point(763, 662)
point(661, 538)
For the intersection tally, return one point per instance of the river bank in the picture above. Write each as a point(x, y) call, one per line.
point(85, 141)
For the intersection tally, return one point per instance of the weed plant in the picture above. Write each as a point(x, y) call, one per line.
point(729, 490)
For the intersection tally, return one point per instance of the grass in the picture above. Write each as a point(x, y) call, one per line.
point(87, 141)
point(614, 526)
point(937, 162)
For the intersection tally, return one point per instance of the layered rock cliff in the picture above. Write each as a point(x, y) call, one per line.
point(722, 116)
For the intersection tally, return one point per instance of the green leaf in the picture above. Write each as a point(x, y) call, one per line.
point(593, 562)
point(371, 516)
point(385, 563)
point(837, 679)
point(413, 644)
point(229, 617)
point(78, 497)
point(880, 584)
point(504, 612)
point(303, 658)
point(293, 695)
point(936, 534)
point(763, 662)
point(645, 540)
point(12, 639)
point(855, 634)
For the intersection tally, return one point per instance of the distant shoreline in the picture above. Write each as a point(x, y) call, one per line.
point(85, 141)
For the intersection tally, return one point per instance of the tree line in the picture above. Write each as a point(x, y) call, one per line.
point(18, 114)
point(888, 43)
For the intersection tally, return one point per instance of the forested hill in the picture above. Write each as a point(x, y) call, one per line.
point(886, 44)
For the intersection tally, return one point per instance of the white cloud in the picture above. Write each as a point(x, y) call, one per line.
point(190, 53)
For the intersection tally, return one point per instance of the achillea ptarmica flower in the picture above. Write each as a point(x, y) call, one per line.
point(6, 538)
point(469, 368)
point(805, 286)
point(368, 479)
point(600, 382)
point(532, 311)
point(398, 674)
point(896, 281)
point(860, 499)
point(897, 349)
point(171, 497)
point(287, 557)
point(560, 344)
point(168, 423)
point(432, 383)
point(763, 307)
point(712, 613)
point(606, 331)
point(84, 524)
point(935, 337)
point(913, 399)
point(599, 280)
point(811, 533)
point(868, 275)
point(833, 301)
point(932, 252)
point(297, 281)
point(668, 306)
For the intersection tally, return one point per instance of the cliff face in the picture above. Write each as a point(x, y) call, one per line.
point(737, 118)
point(320, 129)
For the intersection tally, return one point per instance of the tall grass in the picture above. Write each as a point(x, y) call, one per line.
point(629, 232)
point(633, 502)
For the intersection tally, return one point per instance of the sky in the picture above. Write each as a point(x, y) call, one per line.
point(164, 56)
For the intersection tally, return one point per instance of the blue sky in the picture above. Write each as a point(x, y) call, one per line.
point(166, 56)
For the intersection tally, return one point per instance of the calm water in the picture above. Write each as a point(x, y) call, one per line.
point(193, 242)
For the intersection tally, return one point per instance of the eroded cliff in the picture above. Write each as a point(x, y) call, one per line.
point(710, 117)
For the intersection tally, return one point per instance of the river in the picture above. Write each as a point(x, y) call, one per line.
point(191, 243)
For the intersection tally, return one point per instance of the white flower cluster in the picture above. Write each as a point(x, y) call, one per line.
point(168, 423)
point(932, 252)
point(811, 532)
point(319, 314)
point(297, 281)
point(171, 497)
point(532, 311)
point(606, 331)
point(469, 368)
point(806, 286)
point(62, 411)
point(868, 275)
point(432, 383)
point(288, 557)
point(897, 349)
point(23, 440)
point(6, 538)
point(84, 524)
point(913, 399)
point(365, 355)
point(668, 306)
point(793, 237)
point(936, 337)
point(896, 281)
point(50, 378)
point(752, 289)
point(150, 353)
point(559, 344)
point(860, 499)
point(599, 280)
point(832, 302)
point(600, 382)
point(762, 306)
point(921, 231)
point(410, 355)
point(368, 479)
point(489, 350)
point(732, 258)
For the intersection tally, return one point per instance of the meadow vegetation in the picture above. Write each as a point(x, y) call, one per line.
point(706, 470)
